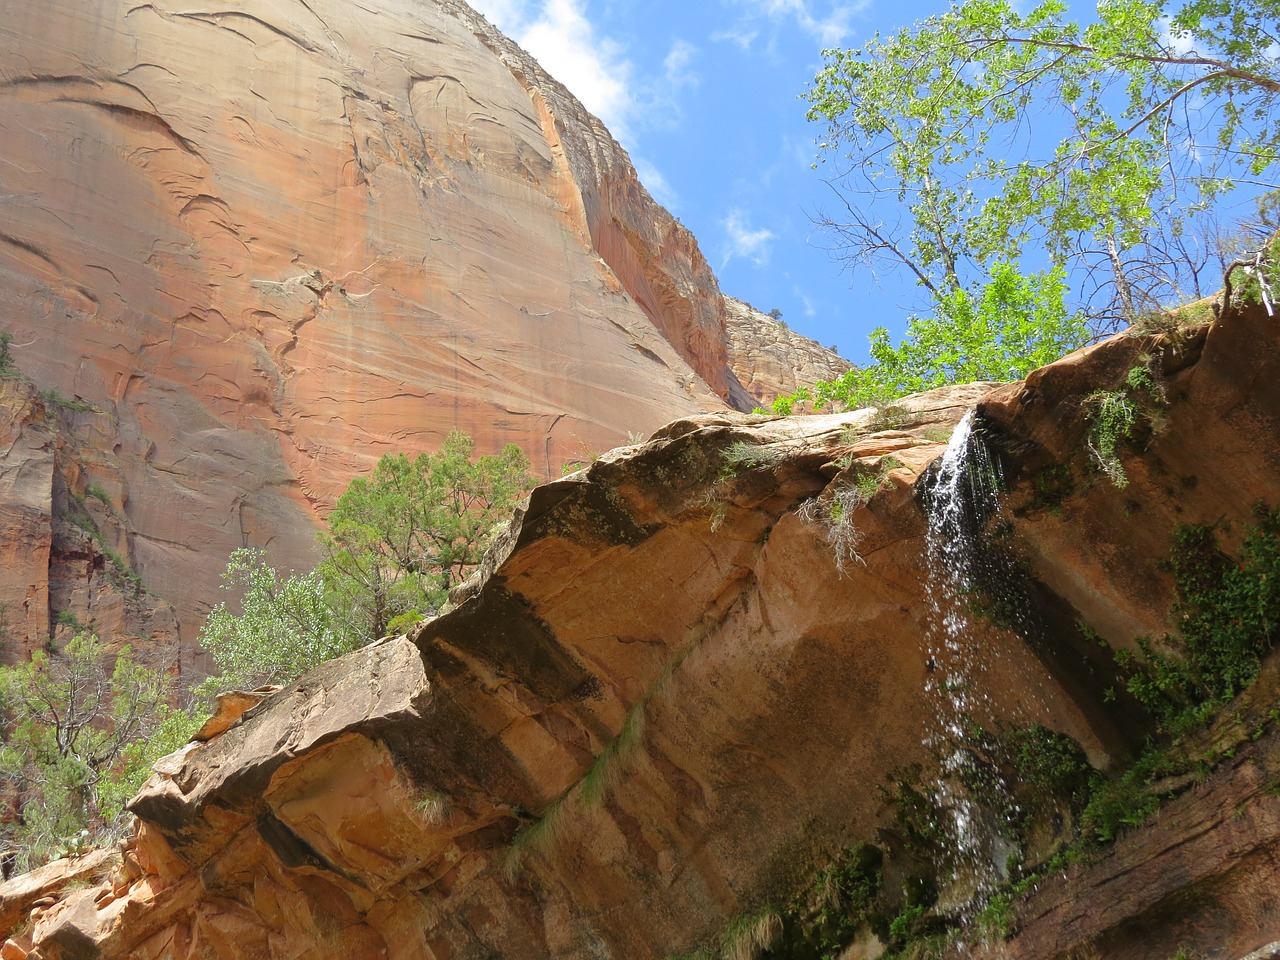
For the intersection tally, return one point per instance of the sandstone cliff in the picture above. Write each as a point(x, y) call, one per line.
point(272, 242)
point(771, 360)
point(64, 542)
point(660, 707)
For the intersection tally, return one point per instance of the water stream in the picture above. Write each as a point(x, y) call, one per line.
point(960, 497)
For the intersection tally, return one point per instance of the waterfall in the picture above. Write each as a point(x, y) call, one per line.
point(959, 498)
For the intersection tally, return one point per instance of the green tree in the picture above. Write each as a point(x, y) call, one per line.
point(1000, 332)
point(285, 625)
point(7, 367)
point(401, 539)
point(81, 728)
point(398, 540)
point(1150, 113)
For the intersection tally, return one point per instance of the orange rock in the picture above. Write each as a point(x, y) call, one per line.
point(268, 246)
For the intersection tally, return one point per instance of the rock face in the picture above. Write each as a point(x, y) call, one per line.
point(660, 706)
point(270, 243)
point(770, 360)
point(65, 538)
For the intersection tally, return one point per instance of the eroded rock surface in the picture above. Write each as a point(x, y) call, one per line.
point(274, 241)
point(770, 360)
point(65, 536)
point(659, 706)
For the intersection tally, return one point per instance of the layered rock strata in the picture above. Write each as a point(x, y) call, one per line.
point(771, 360)
point(65, 544)
point(659, 705)
point(274, 242)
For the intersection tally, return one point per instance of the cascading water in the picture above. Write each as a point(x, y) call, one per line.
point(960, 497)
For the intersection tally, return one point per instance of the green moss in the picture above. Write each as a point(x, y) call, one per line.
point(604, 772)
point(1053, 485)
point(536, 838)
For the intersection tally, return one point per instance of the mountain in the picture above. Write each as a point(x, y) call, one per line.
point(247, 250)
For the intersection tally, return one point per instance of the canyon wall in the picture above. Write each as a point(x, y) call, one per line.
point(663, 705)
point(770, 359)
point(256, 248)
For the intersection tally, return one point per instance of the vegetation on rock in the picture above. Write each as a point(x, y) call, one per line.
point(83, 723)
point(1010, 326)
point(81, 727)
point(398, 541)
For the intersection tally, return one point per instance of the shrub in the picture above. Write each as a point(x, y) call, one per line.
point(1114, 418)
point(81, 728)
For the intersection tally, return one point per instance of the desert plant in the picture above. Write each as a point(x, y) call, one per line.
point(55, 398)
point(81, 727)
point(94, 491)
point(742, 457)
point(834, 508)
point(751, 936)
point(285, 626)
point(1113, 419)
point(434, 809)
point(67, 618)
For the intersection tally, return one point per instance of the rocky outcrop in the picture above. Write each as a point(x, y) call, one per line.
point(64, 531)
point(770, 360)
point(660, 706)
point(434, 795)
point(271, 243)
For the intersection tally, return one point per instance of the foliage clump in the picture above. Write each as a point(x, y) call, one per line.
point(1115, 417)
point(398, 541)
point(1001, 331)
point(81, 727)
point(285, 625)
point(1228, 620)
point(7, 367)
point(941, 119)
point(833, 511)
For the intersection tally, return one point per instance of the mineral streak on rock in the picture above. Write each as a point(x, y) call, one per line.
point(278, 239)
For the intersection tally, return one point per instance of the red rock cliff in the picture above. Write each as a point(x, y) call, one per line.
point(275, 240)
point(659, 705)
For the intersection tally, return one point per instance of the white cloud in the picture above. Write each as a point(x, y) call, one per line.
point(595, 68)
point(744, 241)
point(742, 37)
point(562, 37)
point(506, 15)
point(830, 29)
point(657, 185)
point(678, 65)
point(1181, 44)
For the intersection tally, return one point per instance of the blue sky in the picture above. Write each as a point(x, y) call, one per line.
point(704, 95)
